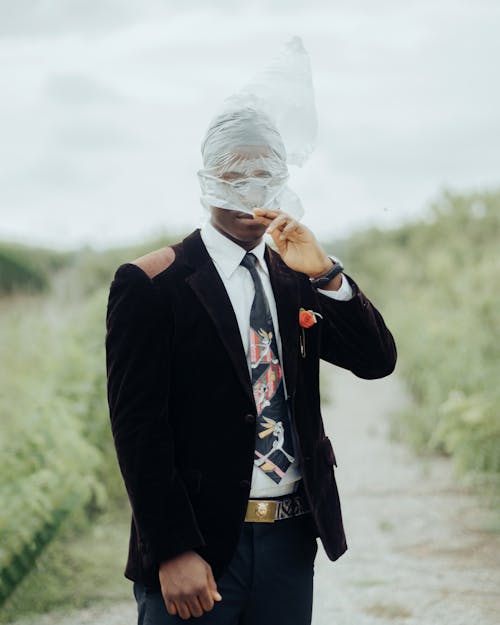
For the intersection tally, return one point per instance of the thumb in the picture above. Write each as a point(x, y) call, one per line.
point(275, 236)
point(281, 244)
point(212, 585)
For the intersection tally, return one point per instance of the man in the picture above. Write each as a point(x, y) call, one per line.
point(213, 388)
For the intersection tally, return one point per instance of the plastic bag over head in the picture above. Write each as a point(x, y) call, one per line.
point(246, 145)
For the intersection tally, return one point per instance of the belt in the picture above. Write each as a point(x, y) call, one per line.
point(271, 510)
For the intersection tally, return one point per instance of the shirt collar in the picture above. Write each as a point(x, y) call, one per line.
point(227, 254)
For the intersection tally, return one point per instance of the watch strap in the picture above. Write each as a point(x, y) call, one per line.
point(329, 275)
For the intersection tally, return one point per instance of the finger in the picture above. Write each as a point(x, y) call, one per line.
point(278, 223)
point(292, 225)
point(264, 215)
point(216, 595)
point(170, 605)
point(213, 586)
point(266, 212)
point(206, 600)
point(262, 219)
point(182, 610)
point(195, 606)
point(278, 238)
point(291, 231)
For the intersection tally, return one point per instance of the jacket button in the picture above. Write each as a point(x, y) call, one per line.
point(250, 418)
point(245, 484)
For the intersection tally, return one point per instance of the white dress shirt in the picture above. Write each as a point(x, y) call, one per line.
point(239, 285)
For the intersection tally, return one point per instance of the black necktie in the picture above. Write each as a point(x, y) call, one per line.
point(273, 440)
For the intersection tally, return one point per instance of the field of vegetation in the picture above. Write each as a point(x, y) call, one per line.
point(62, 503)
point(437, 284)
point(63, 519)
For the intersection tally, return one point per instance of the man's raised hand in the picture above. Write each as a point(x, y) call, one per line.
point(297, 245)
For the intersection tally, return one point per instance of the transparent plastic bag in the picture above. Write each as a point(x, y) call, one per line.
point(270, 123)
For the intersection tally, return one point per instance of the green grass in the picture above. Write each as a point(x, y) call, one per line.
point(82, 568)
point(436, 282)
point(27, 269)
point(61, 541)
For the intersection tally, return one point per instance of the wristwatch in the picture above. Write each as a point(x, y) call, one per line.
point(337, 268)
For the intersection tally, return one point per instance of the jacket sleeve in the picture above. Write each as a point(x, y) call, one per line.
point(355, 337)
point(139, 335)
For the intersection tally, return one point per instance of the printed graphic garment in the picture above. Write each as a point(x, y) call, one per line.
point(273, 441)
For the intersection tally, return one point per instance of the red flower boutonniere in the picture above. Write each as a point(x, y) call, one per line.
point(307, 318)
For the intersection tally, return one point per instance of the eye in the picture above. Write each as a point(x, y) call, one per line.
point(232, 175)
point(262, 173)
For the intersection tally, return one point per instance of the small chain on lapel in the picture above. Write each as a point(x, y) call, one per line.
point(302, 343)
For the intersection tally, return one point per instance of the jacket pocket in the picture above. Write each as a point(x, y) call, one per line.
point(326, 449)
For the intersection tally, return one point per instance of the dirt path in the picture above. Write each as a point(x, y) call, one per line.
point(418, 550)
point(417, 553)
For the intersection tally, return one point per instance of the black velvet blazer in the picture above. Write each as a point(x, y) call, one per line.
point(182, 409)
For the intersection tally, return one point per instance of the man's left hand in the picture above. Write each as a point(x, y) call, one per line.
point(297, 245)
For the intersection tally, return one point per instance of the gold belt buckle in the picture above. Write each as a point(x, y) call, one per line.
point(261, 511)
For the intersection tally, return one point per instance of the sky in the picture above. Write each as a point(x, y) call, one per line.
point(104, 104)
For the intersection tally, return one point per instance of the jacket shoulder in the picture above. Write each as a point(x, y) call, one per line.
point(153, 263)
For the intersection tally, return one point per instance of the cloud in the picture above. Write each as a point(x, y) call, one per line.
point(104, 103)
point(80, 90)
point(52, 18)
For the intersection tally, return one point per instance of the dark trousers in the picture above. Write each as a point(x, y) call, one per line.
point(269, 580)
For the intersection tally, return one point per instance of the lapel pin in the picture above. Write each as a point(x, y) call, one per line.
point(307, 318)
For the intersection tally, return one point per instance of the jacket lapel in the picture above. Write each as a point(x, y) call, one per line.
point(287, 297)
point(210, 290)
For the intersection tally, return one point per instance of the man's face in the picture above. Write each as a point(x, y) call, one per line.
point(238, 226)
